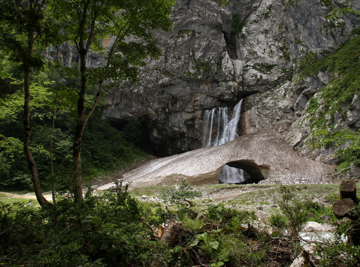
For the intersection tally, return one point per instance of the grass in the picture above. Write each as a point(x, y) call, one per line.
point(4, 198)
point(251, 197)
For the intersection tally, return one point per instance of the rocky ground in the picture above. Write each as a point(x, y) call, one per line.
point(262, 199)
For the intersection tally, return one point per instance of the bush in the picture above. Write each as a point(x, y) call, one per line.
point(278, 220)
point(105, 230)
point(185, 191)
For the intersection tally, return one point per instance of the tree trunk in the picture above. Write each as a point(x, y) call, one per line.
point(32, 164)
point(80, 126)
point(51, 157)
point(79, 129)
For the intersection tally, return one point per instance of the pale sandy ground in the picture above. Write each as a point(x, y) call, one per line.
point(26, 196)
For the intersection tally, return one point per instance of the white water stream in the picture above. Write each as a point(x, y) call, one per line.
point(226, 128)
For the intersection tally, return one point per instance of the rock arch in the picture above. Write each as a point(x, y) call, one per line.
point(265, 155)
point(256, 172)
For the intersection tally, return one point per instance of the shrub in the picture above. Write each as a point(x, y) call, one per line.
point(105, 230)
point(185, 191)
point(278, 220)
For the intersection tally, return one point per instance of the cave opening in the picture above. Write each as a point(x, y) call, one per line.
point(252, 172)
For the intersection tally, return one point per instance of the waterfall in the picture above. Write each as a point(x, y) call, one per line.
point(217, 121)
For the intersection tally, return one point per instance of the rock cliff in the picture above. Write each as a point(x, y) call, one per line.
point(221, 51)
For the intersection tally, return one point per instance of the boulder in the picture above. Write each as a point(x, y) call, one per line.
point(342, 207)
point(312, 227)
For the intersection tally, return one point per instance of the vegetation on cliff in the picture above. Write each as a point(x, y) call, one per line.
point(333, 104)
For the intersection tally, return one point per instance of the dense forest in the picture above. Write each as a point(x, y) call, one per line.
point(62, 102)
point(105, 148)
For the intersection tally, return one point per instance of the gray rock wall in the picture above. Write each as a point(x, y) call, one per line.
point(217, 55)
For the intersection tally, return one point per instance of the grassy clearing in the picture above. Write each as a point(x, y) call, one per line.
point(7, 199)
point(263, 199)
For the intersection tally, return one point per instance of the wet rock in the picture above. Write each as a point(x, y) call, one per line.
point(144, 197)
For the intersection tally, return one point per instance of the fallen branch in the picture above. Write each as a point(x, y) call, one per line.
point(307, 258)
point(198, 259)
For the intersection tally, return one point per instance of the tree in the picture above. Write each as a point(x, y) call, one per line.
point(26, 29)
point(129, 26)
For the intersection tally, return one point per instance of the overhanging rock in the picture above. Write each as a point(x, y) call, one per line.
point(264, 155)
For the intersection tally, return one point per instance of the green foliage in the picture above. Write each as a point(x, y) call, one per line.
point(101, 20)
point(222, 2)
point(27, 29)
point(297, 209)
point(237, 24)
point(278, 220)
point(152, 213)
point(344, 253)
point(211, 245)
point(99, 152)
point(184, 191)
point(113, 229)
point(327, 3)
point(218, 26)
point(293, 208)
point(289, 3)
point(133, 132)
point(11, 105)
point(265, 68)
point(9, 147)
point(348, 154)
point(105, 231)
point(340, 252)
point(203, 68)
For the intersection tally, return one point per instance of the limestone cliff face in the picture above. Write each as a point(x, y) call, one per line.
point(218, 54)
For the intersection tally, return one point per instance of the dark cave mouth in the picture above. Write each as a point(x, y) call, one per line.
point(253, 173)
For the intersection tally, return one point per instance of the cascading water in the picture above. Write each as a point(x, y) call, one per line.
point(226, 131)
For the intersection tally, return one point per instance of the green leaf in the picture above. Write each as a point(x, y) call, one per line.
point(202, 236)
point(214, 244)
point(194, 243)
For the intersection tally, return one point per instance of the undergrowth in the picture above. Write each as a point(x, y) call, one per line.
point(115, 229)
